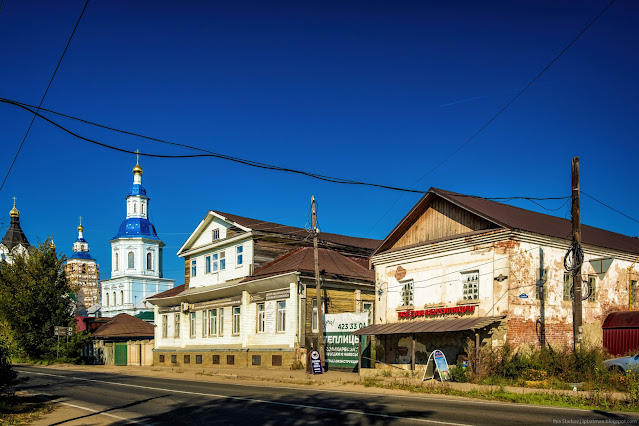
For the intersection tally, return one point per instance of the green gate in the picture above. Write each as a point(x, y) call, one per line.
point(119, 353)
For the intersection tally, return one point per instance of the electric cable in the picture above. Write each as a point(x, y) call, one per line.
point(45, 93)
point(611, 208)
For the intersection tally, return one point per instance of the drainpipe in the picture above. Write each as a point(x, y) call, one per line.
point(630, 284)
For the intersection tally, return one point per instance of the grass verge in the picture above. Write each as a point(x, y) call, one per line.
point(593, 400)
point(22, 409)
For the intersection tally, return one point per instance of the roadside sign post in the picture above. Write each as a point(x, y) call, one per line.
point(62, 331)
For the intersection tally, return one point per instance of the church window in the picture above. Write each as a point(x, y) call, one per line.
point(135, 207)
point(117, 262)
point(239, 251)
point(193, 267)
point(107, 299)
point(115, 302)
point(121, 297)
point(142, 208)
point(149, 261)
point(131, 260)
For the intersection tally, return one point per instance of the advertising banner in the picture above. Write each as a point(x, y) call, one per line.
point(342, 348)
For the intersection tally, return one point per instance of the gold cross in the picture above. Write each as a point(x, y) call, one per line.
point(137, 153)
point(14, 201)
point(80, 220)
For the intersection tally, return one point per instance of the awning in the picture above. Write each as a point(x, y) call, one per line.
point(428, 326)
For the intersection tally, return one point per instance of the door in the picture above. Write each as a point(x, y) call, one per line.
point(119, 354)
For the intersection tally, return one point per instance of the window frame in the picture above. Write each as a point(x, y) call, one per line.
point(407, 293)
point(207, 263)
point(236, 327)
point(176, 325)
point(215, 234)
point(149, 261)
point(260, 314)
point(131, 260)
point(470, 288)
point(213, 320)
point(369, 311)
point(165, 326)
point(220, 320)
point(193, 267)
point(315, 314)
point(239, 256)
point(192, 324)
point(592, 282)
point(280, 316)
point(205, 323)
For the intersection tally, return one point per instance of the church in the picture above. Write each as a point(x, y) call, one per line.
point(83, 274)
point(14, 241)
point(136, 258)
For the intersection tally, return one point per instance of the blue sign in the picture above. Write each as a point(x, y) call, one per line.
point(441, 363)
point(523, 296)
point(316, 362)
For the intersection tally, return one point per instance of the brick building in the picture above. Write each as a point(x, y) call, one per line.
point(249, 293)
point(83, 274)
point(459, 267)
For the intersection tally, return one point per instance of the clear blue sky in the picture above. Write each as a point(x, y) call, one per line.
point(371, 91)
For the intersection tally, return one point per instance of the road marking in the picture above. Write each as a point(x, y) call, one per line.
point(99, 412)
point(239, 398)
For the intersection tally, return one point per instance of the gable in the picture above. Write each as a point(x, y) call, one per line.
point(203, 234)
point(440, 219)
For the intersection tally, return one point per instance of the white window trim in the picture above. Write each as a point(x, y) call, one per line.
point(279, 322)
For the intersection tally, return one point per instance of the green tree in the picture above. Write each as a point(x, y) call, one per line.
point(8, 376)
point(34, 298)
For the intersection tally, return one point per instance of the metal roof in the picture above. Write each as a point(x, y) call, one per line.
point(628, 319)
point(428, 326)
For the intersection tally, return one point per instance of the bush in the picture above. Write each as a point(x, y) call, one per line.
point(458, 373)
point(8, 376)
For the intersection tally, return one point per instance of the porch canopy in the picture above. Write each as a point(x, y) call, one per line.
point(428, 326)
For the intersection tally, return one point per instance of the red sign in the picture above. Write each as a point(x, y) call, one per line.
point(437, 311)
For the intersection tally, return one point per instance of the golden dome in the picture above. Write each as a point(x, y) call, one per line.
point(52, 245)
point(80, 228)
point(14, 212)
point(137, 170)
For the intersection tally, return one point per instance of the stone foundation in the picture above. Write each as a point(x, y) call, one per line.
point(229, 358)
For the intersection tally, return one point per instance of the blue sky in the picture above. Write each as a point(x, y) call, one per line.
point(369, 91)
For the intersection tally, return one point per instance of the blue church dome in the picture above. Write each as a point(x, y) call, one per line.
point(135, 227)
point(80, 240)
point(81, 255)
point(137, 189)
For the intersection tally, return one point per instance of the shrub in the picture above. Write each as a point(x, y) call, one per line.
point(8, 376)
point(458, 373)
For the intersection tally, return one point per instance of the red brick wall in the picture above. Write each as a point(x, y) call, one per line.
point(522, 331)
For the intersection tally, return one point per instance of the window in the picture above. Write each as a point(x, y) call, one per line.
point(281, 316)
point(276, 360)
point(260, 317)
point(256, 360)
point(221, 321)
point(236, 320)
point(205, 323)
point(165, 326)
point(115, 301)
point(213, 322)
point(408, 297)
point(198, 359)
point(142, 208)
point(135, 208)
point(149, 261)
point(208, 264)
point(107, 299)
point(192, 324)
point(193, 267)
point(216, 234)
point(368, 308)
point(239, 250)
point(174, 359)
point(162, 358)
point(633, 292)
point(314, 316)
point(216, 359)
point(176, 331)
point(121, 297)
point(567, 286)
point(219, 261)
point(230, 360)
point(117, 262)
point(131, 260)
point(470, 282)
point(592, 283)
point(187, 359)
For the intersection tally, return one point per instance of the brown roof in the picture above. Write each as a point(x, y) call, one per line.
point(428, 326)
point(303, 260)
point(511, 217)
point(628, 319)
point(169, 293)
point(260, 225)
point(126, 326)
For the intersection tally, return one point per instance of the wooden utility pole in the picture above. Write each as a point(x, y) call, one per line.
point(576, 277)
point(318, 286)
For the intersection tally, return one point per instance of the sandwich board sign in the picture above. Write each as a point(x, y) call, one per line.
point(440, 363)
point(316, 362)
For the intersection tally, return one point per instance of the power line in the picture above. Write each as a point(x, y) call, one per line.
point(611, 208)
point(482, 128)
point(45, 93)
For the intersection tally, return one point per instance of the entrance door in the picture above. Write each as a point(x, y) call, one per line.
point(119, 354)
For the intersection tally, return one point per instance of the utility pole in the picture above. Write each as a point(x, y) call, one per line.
point(576, 273)
point(318, 286)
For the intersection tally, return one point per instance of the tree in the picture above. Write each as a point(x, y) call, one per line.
point(34, 298)
point(8, 376)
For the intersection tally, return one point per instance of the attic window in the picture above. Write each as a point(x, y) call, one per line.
point(216, 234)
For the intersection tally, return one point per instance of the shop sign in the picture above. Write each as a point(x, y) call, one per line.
point(440, 363)
point(316, 362)
point(167, 309)
point(437, 311)
point(271, 295)
point(342, 348)
point(211, 304)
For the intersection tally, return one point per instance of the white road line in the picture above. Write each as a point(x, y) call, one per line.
point(99, 412)
point(361, 413)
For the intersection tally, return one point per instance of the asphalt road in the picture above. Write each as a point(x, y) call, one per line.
point(121, 399)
